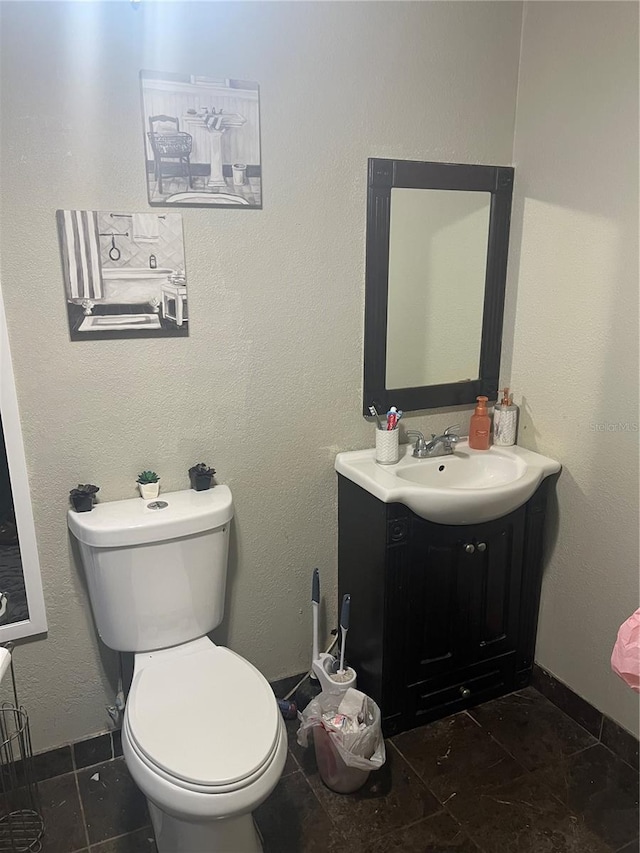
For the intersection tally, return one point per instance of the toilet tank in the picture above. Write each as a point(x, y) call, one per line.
point(156, 570)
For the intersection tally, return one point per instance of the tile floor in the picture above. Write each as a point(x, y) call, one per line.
point(515, 775)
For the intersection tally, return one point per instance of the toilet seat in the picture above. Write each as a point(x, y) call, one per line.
point(202, 717)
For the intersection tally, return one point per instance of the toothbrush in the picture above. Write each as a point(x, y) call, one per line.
point(344, 627)
point(315, 604)
point(374, 413)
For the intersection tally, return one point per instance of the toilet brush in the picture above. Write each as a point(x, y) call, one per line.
point(342, 674)
point(344, 627)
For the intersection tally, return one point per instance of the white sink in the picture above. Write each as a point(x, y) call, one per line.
point(467, 487)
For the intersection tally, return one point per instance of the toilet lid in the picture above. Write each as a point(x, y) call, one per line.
point(208, 718)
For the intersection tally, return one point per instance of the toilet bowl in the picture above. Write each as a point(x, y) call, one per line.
point(202, 735)
point(204, 741)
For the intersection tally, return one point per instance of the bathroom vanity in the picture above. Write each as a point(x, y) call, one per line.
point(442, 556)
point(444, 615)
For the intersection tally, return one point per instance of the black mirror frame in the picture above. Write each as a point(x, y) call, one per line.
point(384, 175)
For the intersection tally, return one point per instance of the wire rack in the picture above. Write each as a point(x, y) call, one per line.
point(21, 823)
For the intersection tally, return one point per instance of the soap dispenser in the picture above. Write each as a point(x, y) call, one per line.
point(480, 426)
point(505, 421)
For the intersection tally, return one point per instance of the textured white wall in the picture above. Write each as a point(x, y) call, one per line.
point(268, 386)
point(575, 324)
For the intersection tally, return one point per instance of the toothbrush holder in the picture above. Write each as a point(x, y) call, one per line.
point(387, 446)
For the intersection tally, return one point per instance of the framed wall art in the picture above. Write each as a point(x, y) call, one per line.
point(124, 274)
point(201, 140)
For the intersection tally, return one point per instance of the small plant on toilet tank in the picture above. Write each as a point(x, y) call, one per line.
point(149, 484)
point(83, 497)
point(201, 476)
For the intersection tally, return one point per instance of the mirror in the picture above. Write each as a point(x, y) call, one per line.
point(437, 240)
point(435, 295)
point(22, 612)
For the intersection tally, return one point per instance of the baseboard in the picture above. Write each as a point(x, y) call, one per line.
point(73, 756)
point(607, 731)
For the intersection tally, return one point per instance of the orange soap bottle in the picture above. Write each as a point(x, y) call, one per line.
point(480, 426)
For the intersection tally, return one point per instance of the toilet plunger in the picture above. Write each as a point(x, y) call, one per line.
point(315, 604)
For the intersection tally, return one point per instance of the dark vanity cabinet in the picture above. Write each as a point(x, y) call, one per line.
point(442, 617)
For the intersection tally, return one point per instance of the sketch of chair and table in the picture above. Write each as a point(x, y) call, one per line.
point(171, 147)
point(202, 140)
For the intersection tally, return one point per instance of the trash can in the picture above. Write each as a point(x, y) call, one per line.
point(347, 737)
point(334, 772)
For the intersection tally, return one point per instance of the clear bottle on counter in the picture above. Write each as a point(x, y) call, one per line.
point(505, 421)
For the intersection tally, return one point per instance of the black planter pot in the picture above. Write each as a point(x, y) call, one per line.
point(201, 482)
point(82, 503)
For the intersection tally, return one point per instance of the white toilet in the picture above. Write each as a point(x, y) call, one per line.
point(202, 736)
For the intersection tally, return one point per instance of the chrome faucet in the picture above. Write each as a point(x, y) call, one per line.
point(440, 445)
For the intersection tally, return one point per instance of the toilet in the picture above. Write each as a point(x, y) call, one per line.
point(202, 735)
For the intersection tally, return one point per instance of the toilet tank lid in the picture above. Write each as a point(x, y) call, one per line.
point(115, 524)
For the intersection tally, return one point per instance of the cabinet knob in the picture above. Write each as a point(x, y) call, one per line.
point(465, 692)
point(469, 548)
point(482, 546)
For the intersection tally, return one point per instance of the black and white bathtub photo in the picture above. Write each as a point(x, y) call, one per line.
point(202, 140)
point(124, 274)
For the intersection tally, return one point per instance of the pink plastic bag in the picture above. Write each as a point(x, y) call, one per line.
point(625, 660)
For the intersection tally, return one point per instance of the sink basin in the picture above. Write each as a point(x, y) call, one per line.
point(465, 470)
point(467, 487)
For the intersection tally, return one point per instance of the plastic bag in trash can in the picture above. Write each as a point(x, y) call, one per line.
point(363, 749)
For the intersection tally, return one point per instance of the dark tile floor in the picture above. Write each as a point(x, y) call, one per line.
point(515, 775)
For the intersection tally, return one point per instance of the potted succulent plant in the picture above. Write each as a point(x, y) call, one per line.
point(149, 484)
point(83, 497)
point(201, 476)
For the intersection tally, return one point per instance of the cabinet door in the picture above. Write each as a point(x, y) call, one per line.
point(463, 594)
point(437, 599)
point(495, 575)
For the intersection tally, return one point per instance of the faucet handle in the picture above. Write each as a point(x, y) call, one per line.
point(421, 442)
point(452, 430)
point(420, 447)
